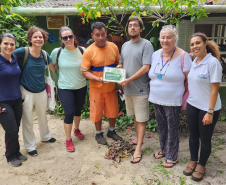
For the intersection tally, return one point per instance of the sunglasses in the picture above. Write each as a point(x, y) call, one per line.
point(67, 37)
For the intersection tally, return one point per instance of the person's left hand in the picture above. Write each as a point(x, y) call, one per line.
point(207, 119)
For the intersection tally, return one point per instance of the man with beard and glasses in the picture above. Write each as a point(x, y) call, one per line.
point(102, 95)
point(136, 57)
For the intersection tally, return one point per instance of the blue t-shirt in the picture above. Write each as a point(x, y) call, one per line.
point(32, 78)
point(9, 79)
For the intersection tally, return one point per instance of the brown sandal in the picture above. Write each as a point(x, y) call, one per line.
point(190, 168)
point(198, 173)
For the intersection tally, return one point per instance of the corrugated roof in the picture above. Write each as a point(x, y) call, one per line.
point(54, 4)
point(71, 3)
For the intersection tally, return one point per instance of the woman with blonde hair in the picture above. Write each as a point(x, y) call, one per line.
point(203, 104)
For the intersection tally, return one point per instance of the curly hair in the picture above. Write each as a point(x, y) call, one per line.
point(211, 46)
point(34, 29)
point(65, 28)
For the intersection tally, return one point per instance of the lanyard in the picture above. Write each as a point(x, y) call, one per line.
point(167, 60)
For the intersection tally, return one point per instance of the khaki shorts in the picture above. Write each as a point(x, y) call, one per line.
point(138, 106)
point(99, 102)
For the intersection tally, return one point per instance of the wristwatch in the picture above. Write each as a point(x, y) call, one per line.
point(210, 111)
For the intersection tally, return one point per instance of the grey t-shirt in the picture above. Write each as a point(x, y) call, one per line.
point(133, 57)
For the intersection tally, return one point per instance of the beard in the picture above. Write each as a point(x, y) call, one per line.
point(134, 36)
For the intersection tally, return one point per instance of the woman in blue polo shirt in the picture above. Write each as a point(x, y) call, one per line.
point(203, 104)
point(10, 99)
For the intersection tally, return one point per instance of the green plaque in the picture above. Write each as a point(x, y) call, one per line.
point(112, 74)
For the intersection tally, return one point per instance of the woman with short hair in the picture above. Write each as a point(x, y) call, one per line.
point(166, 91)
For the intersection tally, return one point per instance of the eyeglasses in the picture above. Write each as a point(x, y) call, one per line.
point(133, 25)
point(159, 75)
point(67, 37)
point(169, 27)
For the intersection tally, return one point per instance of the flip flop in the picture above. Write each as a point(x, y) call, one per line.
point(159, 153)
point(132, 143)
point(134, 162)
point(173, 164)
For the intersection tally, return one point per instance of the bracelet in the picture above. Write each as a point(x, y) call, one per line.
point(210, 109)
point(210, 113)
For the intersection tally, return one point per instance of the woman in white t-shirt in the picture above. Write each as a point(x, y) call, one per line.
point(72, 85)
point(166, 91)
point(203, 104)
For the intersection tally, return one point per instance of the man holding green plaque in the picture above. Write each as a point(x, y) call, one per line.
point(102, 95)
point(136, 57)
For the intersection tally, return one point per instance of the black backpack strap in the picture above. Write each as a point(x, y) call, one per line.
point(81, 50)
point(58, 54)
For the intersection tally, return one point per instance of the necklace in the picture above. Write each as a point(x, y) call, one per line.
point(159, 76)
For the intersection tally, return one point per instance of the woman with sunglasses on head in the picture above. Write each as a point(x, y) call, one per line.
point(10, 99)
point(71, 84)
point(33, 90)
point(166, 91)
point(203, 104)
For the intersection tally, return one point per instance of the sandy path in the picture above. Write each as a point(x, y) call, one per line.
point(54, 165)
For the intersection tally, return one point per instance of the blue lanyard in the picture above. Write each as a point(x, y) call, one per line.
point(168, 59)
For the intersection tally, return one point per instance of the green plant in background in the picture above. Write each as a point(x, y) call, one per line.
point(116, 12)
point(222, 118)
point(5, 5)
point(14, 23)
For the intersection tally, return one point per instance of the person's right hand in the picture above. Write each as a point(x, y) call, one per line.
point(100, 79)
point(56, 66)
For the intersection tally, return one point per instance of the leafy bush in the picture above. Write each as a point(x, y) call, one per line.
point(16, 25)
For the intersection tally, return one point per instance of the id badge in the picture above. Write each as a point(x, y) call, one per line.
point(159, 76)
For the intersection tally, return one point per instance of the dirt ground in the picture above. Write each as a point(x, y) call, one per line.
point(87, 165)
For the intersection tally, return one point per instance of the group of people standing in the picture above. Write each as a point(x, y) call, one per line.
point(160, 77)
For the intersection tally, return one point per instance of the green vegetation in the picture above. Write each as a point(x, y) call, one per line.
point(116, 12)
point(14, 23)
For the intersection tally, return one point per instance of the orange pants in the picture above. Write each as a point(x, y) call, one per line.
point(99, 102)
